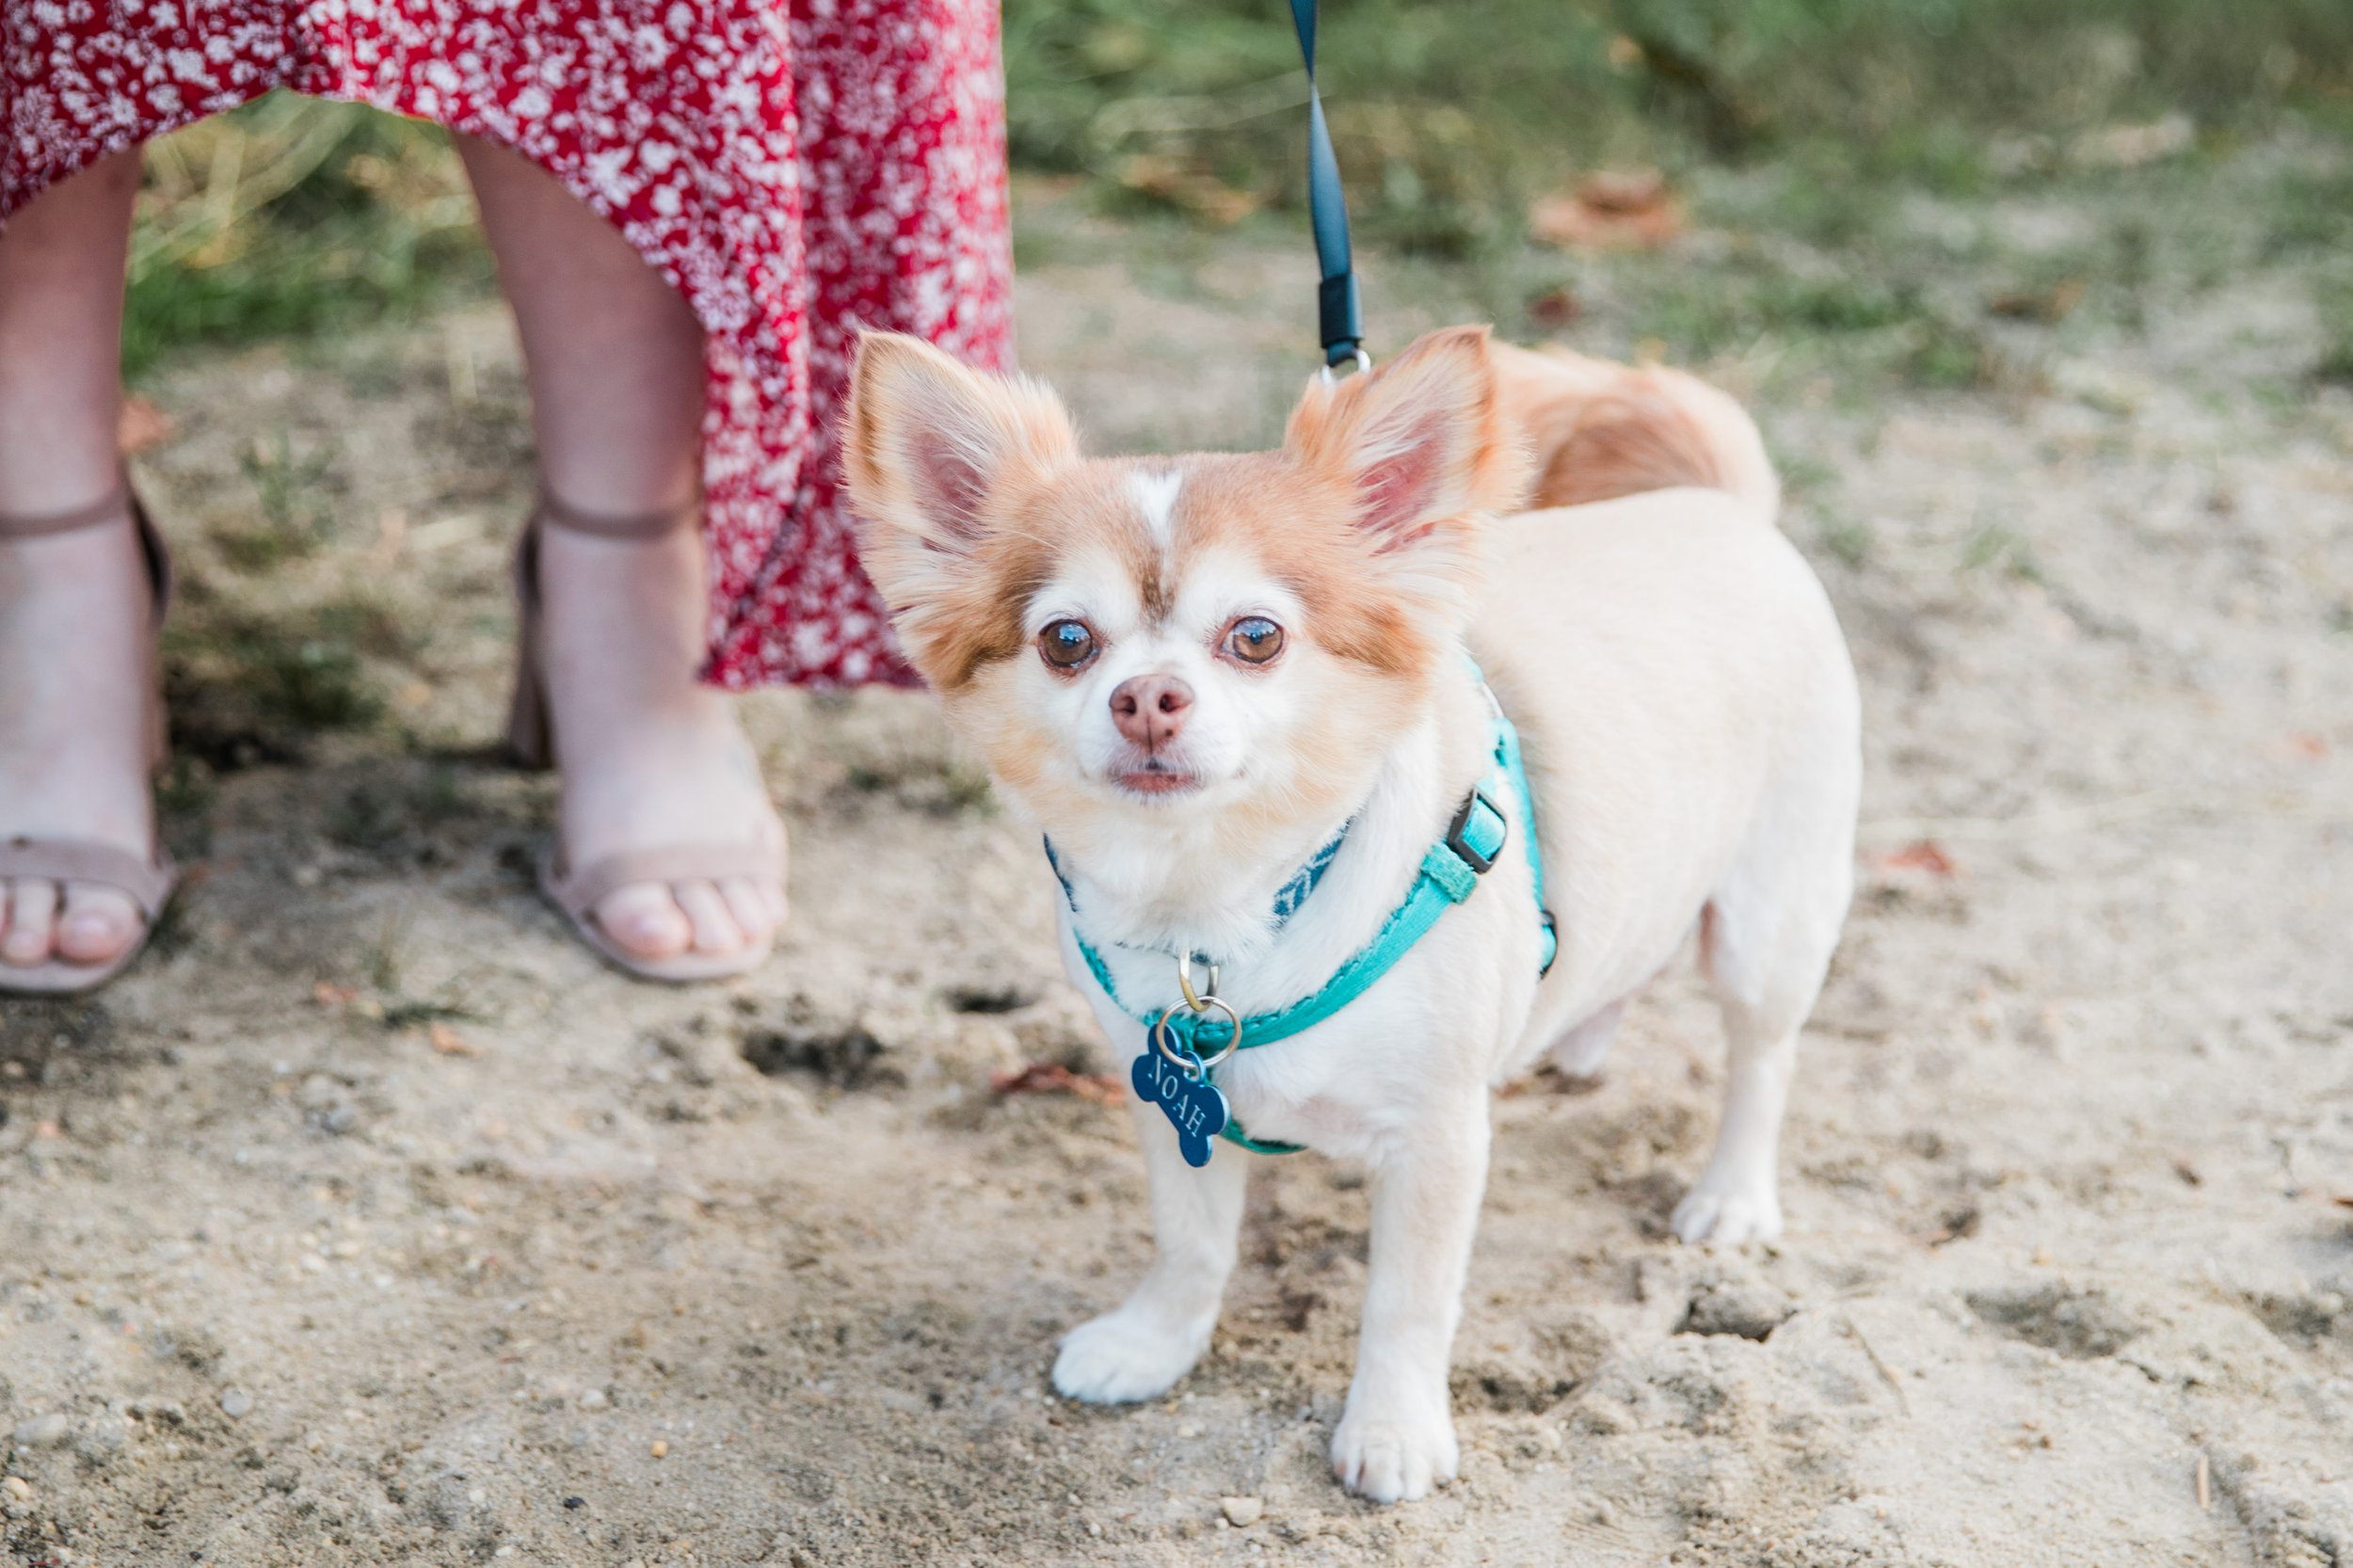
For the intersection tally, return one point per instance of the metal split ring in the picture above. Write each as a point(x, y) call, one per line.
point(1195, 1061)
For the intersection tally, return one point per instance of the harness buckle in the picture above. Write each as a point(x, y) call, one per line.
point(1480, 861)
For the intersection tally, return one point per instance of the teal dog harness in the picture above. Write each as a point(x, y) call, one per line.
point(1186, 1041)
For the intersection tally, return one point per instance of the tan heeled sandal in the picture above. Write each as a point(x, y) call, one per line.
point(148, 882)
point(576, 891)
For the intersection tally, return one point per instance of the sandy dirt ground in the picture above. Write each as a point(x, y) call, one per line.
point(370, 1221)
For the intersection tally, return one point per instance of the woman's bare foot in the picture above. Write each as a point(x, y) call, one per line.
point(75, 668)
point(651, 760)
point(650, 757)
point(73, 734)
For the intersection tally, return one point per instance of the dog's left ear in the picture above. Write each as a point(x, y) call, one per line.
point(1421, 442)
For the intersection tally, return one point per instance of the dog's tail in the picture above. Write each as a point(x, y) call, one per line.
point(1598, 430)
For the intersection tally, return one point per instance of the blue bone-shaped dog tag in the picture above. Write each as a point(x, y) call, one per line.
point(1194, 1106)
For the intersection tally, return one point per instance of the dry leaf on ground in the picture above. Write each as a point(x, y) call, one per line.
point(1624, 211)
point(1555, 309)
point(1925, 855)
point(1182, 185)
point(2052, 304)
point(1052, 1077)
point(141, 427)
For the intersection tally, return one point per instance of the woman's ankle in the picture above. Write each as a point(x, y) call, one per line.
point(61, 268)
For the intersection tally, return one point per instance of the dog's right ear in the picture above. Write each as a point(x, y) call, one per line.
point(927, 442)
point(940, 459)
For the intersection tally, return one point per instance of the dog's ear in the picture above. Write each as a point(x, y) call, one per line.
point(927, 441)
point(938, 459)
point(1421, 442)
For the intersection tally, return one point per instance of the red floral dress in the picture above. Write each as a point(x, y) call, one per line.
point(799, 168)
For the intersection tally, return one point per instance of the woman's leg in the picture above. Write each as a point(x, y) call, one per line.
point(649, 757)
point(74, 606)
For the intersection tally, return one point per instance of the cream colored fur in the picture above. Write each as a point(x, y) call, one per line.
point(1689, 716)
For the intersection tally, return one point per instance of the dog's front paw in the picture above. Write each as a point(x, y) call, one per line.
point(1123, 1356)
point(1728, 1213)
point(1392, 1455)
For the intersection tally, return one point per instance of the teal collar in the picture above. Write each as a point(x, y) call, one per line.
point(1287, 898)
point(1194, 1036)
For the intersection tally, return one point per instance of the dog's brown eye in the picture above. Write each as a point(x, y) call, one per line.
point(1255, 639)
point(1066, 644)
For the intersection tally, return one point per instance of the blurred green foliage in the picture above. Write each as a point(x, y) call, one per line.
point(289, 218)
point(1448, 118)
point(1813, 121)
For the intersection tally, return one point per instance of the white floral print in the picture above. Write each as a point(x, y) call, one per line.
point(799, 168)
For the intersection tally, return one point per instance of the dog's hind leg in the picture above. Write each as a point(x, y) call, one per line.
point(1151, 1340)
point(1765, 940)
point(1580, 1052)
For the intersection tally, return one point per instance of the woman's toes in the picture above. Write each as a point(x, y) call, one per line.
point(715, 931)
point(97, 923)
point(32, 921)
point(646, 920)
point(754, 916)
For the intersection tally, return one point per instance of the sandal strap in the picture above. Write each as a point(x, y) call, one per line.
point(148, 880)
point(123, 498)
point(616, 525)
point(577, 891)
point(34, 525)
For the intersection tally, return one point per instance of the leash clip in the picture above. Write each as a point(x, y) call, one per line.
point(1199, 1004)
point(1194, 1000)
point(1363, 362)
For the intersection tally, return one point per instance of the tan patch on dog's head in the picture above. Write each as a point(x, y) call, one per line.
point(1360, 536)
point(1299, 525)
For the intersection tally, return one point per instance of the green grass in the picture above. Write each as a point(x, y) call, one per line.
point(1996, 547)
point(289, 220)
point(2332, 300)
point(245, 688)
point(1807, 132)
point(1850, 165)
point(294, 510)
point(1851, 539)
point(1448, 118)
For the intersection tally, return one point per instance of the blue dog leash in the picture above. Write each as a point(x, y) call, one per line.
point(1339, 312)
point(1186, 1040)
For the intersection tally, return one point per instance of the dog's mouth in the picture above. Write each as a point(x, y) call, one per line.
point(1157, 778)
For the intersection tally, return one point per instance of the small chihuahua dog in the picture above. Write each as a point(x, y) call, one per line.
point(1238, 694)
